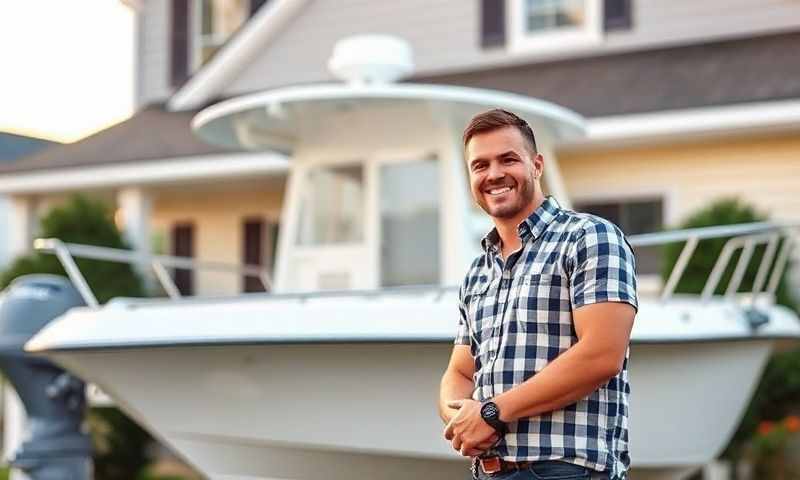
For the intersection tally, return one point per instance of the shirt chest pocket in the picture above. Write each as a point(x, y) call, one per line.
point(481, 302)
point(542, 307)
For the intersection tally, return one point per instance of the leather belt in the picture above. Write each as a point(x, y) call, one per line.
point(492, 465)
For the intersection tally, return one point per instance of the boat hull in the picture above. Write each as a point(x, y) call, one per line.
point(343, 410)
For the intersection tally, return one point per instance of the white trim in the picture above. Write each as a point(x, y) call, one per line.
point(692, 123)
point(141, 173)
point(566, 38)
point(236, 54)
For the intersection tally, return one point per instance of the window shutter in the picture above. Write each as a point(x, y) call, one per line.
point(617, 15)
point(252, 253)
point(179, 42)
point(493, 23)
point(255, 5)
point(183, 246)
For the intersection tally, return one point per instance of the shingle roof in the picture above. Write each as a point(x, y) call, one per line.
point(151, 134)
point(14, 146)
point(720, 73)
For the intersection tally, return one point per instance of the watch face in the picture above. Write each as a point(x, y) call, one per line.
point(489, 410)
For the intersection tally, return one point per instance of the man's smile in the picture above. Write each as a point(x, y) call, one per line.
point(498, 191)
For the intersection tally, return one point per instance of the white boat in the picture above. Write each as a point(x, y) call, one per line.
point(335, 375)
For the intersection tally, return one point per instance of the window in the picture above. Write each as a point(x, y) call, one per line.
point(332, 210)
point(634, 217)
point(553, 24)
point(409, 212)
point(200, 27)
point(258, 248)
point(216, 21)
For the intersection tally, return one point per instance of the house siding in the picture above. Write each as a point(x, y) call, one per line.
point(445, 34)
point(217, 226)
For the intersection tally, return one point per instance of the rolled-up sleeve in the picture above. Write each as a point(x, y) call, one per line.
point(603, 266)
point(462, 334)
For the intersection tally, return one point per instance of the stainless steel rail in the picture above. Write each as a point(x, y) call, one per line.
point(744, 236)
point(159, 263)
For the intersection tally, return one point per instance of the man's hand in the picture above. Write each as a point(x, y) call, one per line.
point(467, 431)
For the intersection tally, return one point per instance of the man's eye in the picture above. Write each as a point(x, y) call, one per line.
point(509, 160)
point(478, 167)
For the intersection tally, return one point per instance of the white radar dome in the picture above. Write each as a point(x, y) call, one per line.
point(371, 59)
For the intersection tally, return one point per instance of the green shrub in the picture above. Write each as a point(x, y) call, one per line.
point(89, 222)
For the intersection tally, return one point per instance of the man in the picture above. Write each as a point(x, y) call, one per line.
point(537, 383)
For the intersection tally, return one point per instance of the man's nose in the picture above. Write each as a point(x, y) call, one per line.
point(495, 172)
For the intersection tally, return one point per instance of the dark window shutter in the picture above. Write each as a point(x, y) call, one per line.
point(183, 246)
point(617, 15)
point(255, 5)
point(180, 42)
point(493, 23)
point(252, 252)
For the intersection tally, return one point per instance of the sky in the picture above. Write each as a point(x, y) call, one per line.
point(66, 67)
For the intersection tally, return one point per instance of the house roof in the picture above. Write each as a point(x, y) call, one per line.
point(13, 146)
point(150, 134)
point(754, 69)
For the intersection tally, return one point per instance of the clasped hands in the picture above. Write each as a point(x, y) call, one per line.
point(469, 434)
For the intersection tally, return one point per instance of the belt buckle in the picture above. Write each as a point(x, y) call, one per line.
point(490, 464)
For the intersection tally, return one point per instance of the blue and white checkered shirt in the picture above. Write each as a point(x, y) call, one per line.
point(517, 317)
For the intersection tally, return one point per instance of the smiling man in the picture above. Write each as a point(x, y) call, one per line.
point(537, 383)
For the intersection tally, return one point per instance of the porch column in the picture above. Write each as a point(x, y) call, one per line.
point(23, 226)
point(135, 206)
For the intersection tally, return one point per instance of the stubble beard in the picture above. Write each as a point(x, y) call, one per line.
point(524, 195)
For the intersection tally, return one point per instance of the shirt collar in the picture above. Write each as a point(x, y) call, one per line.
point(532, 226)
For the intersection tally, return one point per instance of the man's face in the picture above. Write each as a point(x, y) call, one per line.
point(501, 172)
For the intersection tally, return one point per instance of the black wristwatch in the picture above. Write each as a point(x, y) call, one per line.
point(490, 414)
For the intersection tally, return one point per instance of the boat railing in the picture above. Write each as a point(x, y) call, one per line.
point(745, 237)
point(159, 264)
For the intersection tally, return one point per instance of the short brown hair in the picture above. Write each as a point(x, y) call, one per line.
point(496, 119)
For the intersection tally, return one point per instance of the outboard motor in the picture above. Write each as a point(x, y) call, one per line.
point(56, 448)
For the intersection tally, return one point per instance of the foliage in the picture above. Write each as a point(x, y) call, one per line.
point(768, 448)
point(726, 211)
point(779, 388)
point(88, 222)
point(119, 443)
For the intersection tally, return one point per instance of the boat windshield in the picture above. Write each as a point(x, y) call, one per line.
point(332, 207)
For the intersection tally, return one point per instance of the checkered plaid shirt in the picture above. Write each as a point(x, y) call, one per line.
point(517, 317)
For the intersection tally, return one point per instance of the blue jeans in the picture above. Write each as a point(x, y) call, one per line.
point(546, 470)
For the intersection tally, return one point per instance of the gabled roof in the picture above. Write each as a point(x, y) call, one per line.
point(730, 72)
point(235, 55)
point(151, 134)
point(13, 146)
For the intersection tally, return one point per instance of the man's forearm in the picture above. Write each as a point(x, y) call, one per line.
point(455, 386)
point(571, 377)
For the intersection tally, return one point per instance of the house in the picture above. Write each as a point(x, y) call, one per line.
point(13, 147)
point(686, 102)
